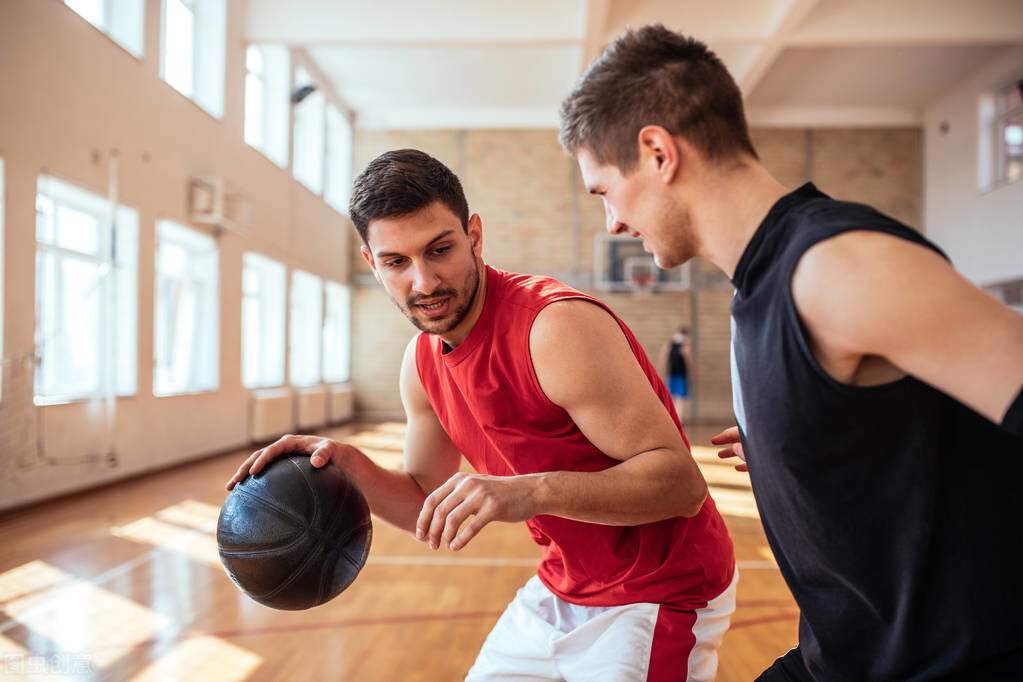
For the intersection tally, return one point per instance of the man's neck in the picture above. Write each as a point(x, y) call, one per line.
point(460, 333)
point(732, 206)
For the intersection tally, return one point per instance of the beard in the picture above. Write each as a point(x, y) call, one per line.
point(462, 301)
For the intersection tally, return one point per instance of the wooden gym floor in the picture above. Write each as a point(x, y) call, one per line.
point(124, 583)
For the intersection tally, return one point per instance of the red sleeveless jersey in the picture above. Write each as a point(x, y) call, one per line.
point(489, 401)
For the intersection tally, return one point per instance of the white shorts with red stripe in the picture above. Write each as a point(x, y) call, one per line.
point(542, 637)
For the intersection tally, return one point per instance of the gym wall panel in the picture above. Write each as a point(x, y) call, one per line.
point(341, 403)
point(311, 408)
point(883, 168)
point(271, 414)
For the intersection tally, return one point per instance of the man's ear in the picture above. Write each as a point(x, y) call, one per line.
point(368, 256)
point(660, 152)
point(475, 231)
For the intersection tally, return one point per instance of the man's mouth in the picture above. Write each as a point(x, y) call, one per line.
point(434, 308)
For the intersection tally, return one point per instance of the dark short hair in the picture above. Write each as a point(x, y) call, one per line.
point(654, 76)
point(401, 182)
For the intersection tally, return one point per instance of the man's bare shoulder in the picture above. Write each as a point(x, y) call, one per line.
point(849, 282)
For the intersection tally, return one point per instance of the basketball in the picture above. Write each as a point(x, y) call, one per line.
point(294, 536)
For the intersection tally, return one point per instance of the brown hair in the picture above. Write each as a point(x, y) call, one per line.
point(654, 76)
point(401, 182)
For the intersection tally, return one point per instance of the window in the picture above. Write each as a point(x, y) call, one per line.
point(337, 333)
point(86, 291)
point(193, 50)
point(309, 131)
point(122, 20)
point(1009, 132)
point(339, 159)
point(187, 311)
point(306, 328)
point(267, 100)
point(263, 289)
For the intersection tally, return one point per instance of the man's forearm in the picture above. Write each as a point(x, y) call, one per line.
point(651, 486)
point(393, 494)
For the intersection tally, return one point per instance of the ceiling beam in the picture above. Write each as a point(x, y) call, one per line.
point(791, 17)
point(913, 22)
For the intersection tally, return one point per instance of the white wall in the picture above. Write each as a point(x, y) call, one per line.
point(69, 95)
point(982, 231)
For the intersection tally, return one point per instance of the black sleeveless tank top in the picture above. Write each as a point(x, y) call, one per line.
point(894, 510)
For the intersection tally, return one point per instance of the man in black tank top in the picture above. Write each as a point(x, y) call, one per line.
point(869, 378)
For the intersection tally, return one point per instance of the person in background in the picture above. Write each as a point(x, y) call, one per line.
point(677, 359)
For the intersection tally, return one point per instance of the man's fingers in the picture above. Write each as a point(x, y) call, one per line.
point(439, 519)
point(425, 521)
point(468, 532)
point(730, 435)
point(453, 521)
point(242, 471)
point(289, 443)
point(321, 455)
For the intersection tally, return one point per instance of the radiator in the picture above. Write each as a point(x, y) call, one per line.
point(271, 414)
point(312, 407)
point(342, 403)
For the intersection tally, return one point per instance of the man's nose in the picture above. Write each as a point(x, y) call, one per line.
point(614, 226)
point(424, 279)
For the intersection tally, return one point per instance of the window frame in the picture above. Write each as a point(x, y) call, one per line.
point(316, 184)
point(293, 332)
point(263, 264)
point(345, 323)
point(110, 240)
point(107, 23)
point(209, 53)
point(1002, 115)
point(192, 386)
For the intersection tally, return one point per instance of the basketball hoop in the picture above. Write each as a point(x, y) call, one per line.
point(642, 283)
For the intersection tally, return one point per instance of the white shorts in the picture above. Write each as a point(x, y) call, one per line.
point(542, 637)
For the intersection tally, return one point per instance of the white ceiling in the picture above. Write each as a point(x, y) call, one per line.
point(484, 63)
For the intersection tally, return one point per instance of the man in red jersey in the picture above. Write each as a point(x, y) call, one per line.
point(551, 399)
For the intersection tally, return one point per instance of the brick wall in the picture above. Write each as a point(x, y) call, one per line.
point(538, 218)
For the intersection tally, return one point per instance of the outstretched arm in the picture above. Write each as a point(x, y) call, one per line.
point(584, 364)
point(865, 296)
point(394, 495)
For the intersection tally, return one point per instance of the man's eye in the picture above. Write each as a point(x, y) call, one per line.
point(441, 249)
point(394, 262)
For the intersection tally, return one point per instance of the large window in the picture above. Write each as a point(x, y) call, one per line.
point(122, 20)
point(337, 333)
point(338, 181)
point(306, 328)
point(267, 100)
point(193, 50)
point(86, 292)
point(309, 131)
point(187, 311)
point(263, 290)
